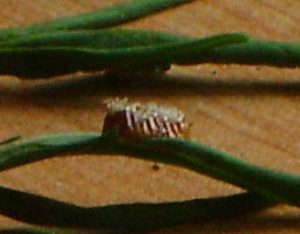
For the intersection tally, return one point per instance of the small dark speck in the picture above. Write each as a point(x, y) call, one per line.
point(155, 167)
point(213, 72)
point(257, 68)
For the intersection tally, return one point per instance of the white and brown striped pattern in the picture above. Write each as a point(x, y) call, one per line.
point(149, 120)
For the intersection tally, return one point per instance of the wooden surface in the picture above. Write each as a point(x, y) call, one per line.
point(259, 123)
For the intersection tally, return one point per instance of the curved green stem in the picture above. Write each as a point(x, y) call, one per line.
point(106, 17)
point(54, 48)
point(38, 210)
point(138, 216)
point(50, 61)
point(277, 186)
point(97, 39)
point(255, 52)
point(42, 55)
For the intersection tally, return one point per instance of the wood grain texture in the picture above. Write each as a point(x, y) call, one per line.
point(244, 110)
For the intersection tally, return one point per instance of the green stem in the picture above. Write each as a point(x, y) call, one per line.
point(255, 52)
point(97, 39)
point(50, 61)
point(107, 17)
point(138, 216)
point(38, 210)
point(277, 186)
point(42, 55)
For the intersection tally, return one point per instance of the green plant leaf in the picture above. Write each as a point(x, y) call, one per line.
point(106, 17)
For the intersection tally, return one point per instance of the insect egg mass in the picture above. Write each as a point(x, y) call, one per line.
point(144, 120)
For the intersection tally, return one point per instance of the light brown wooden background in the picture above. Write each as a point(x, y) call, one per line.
point(259, 124)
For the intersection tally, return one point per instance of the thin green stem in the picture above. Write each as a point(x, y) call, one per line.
point(138, 216)
point(54, 48)
point(255, 52)
point(277, 186)
point(106, 17)
point(98, 39)
point(50, 61)
point(42, 55)
point(130, 217)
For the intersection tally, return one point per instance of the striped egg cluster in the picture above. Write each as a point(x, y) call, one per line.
point(148, 120)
